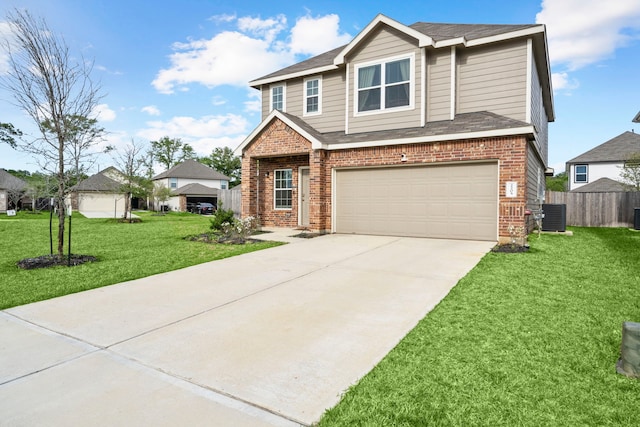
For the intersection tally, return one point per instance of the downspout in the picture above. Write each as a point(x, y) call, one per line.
point(258, 190)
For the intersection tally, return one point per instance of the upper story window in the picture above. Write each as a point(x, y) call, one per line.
point(385, 85)
point(223, 185)
point(173, 183)
point(581, 174)
point(277, 98)
point(312, 96)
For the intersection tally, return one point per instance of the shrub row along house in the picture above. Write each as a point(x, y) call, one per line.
point(427, 130)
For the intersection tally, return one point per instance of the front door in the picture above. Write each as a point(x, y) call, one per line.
point(303, 219)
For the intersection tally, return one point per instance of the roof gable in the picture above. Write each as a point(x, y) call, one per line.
point(191, 169)
point(602, 185)
point(8, 181)
point(616, 149)
point(101, 182)
point(195, 189)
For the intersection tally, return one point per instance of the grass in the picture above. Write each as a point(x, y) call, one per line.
point(124, 252)
point(525, 339)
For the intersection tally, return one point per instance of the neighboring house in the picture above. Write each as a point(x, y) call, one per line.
point(100, 194)
point(636, 119)
point(427, 130)
point(604, 161)
point(191, 182)
point(10, 186)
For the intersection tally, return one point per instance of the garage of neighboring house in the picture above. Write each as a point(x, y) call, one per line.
point(191, 194)
point(456, 201)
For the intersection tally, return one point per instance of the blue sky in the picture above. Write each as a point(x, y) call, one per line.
point(180, 68)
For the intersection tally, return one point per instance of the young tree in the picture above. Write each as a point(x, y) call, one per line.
point(161, 194)
point(223, 160)
point(48, 84)
point(630, 172)
point(171, 151)
point(130, 161)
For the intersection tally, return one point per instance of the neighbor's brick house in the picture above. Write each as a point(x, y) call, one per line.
point(428, 130)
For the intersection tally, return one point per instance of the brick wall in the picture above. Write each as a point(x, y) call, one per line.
point(269, 149)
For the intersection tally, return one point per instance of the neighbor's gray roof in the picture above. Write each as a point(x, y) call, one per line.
point(602, 185)
point(191, 169)
point(99, 182)
point(614, 150)
point(195, 190)
point(8, 181)
point(462, 123)
point(436, 31)
point(636, 119)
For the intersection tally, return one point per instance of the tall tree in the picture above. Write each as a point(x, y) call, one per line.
point(51, 86)
point(224, 161)
point(557, 182)
point(171, 151)
point(8, 134)
point(630, 172)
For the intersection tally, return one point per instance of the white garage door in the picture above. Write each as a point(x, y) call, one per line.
point(457, 201)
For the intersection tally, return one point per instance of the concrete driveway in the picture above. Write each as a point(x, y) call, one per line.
point(270, 338)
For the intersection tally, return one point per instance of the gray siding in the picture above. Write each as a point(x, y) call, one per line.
point(538, 113)
point(535, 184)
point(385, 43)
point(439, 85)
point(493, 78)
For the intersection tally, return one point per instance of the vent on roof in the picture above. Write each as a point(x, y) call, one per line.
point(555, 217)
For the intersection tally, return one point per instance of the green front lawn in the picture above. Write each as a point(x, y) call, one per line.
point(124, 252)
point(526, 339)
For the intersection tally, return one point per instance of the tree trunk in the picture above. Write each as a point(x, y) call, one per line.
point(61, 206)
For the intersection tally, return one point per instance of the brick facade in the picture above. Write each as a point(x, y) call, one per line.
point(279, 146)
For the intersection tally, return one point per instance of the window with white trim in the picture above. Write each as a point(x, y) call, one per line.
point(384, 85)
point(312, 96)
point(581, 174)
point(282, 188)
point(277, 98)
point(173, 183)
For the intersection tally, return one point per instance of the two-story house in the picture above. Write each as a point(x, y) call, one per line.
point(427, 130)
point(191, 182)
point(599, 169)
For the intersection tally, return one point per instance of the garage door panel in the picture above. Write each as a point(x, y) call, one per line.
point(452, 201)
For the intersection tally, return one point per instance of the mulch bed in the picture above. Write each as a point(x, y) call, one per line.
point(46, 261)
point(510, 248)
point(215, 238)
point(307, 235)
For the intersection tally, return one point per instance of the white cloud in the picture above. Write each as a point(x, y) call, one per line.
point(223, 18)
point(254, 104)
point(561, 81)
point(151, 110)
point(257, 47)
point(203, 134)
point(6, 39)
point(218, 100)
point(103, 113)
point(314, 36)
point(583, 32)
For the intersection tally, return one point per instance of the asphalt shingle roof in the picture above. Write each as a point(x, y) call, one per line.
point(602, 185)
point(99, 182)
point(615, 150)
point(195, 190)
point(191, 169)
point(437, 31)
point(8, 181)
point(462, 123)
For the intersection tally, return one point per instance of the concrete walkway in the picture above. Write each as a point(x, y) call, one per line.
point(269, 338)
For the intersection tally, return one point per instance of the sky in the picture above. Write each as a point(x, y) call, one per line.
point(181, 68)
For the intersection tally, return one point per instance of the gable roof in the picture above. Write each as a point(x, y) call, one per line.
point(602, 185)
point(636, 119)
point(195, 189)
point(100, 182)
point(191, 169)
point(8, 181)
point(436, 35)
point(463, 126)
point(616, 149)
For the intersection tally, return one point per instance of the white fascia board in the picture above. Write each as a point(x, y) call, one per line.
point(538, 29)
point(315, 144)
point(423, 39)
point(319, 70)
point(451, 42)
point(527, 130)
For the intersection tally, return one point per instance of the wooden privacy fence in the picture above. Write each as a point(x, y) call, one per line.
point(231, 199)
point(598, 209)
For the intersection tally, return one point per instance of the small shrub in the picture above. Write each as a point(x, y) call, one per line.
point(221, 217)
